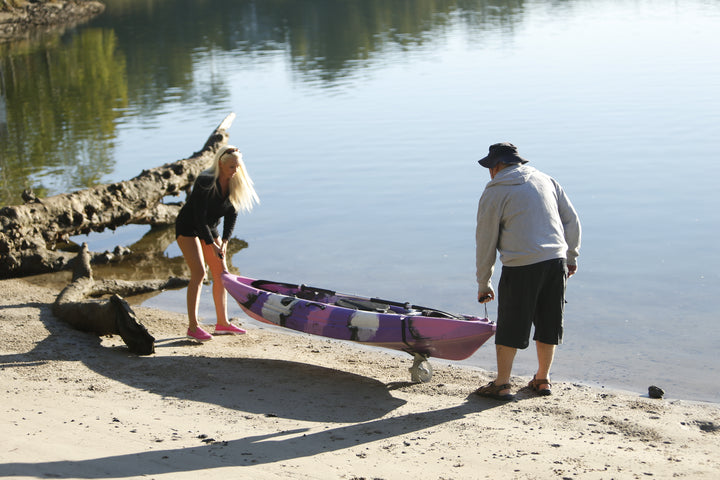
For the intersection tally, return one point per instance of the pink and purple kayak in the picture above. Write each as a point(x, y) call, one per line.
point(400, 326)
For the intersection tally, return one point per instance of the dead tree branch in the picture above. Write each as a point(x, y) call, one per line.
point(31, 232)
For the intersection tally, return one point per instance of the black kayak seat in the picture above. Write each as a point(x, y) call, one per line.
point(361, 304)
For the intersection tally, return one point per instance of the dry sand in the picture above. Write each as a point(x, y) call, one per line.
point(276, 405)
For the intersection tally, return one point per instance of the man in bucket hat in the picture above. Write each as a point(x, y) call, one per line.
point(525, 216)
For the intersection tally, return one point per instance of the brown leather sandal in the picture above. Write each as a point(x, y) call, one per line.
point(535, 386)
point(493, 391)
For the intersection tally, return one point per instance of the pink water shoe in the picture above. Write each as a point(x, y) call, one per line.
point(230, 329)
point(199, 334)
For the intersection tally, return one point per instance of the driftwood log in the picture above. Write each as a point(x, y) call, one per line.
point(78, 305)
point(31, 233)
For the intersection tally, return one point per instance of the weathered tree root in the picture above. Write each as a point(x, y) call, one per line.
point(111, 316)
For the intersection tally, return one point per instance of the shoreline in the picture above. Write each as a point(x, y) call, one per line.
point(573, 364)
point(274, 405)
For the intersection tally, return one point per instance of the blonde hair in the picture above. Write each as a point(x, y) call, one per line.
point(241, 194)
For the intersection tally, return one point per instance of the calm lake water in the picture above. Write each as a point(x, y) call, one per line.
point(361, 124)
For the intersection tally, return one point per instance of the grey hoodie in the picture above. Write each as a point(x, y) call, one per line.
point(525, 215)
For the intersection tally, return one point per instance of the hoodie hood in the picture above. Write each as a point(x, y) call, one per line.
point(512, 175)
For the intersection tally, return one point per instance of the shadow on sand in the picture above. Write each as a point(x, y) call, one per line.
point(273, 388)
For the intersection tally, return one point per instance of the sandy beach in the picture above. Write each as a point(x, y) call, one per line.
point(271, 405)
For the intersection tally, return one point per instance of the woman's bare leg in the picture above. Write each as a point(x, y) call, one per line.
point(217, 267)
point(193, 253)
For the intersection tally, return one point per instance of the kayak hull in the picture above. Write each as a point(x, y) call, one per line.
point(382, 323)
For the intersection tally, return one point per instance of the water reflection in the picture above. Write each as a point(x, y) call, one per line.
point(324, 39)
point(62, 99)
point(146, 258)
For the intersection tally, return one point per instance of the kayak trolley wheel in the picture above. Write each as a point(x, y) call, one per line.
point(421, 370)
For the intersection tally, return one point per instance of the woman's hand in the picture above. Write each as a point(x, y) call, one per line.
point(219, 249)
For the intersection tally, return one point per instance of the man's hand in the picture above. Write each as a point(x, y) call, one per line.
point(571, 270)
point(485, 296)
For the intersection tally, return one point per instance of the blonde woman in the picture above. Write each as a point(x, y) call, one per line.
point(219, 192)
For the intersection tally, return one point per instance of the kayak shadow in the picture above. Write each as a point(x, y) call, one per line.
point(259, 386)
point(269, 387)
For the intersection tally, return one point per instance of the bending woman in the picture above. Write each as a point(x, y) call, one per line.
point(219, 192)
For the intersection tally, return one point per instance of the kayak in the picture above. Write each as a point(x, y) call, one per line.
point(420, 331)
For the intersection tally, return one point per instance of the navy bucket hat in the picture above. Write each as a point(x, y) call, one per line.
point(504, 152)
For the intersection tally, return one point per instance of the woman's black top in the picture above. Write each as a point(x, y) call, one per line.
point(201, 214)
